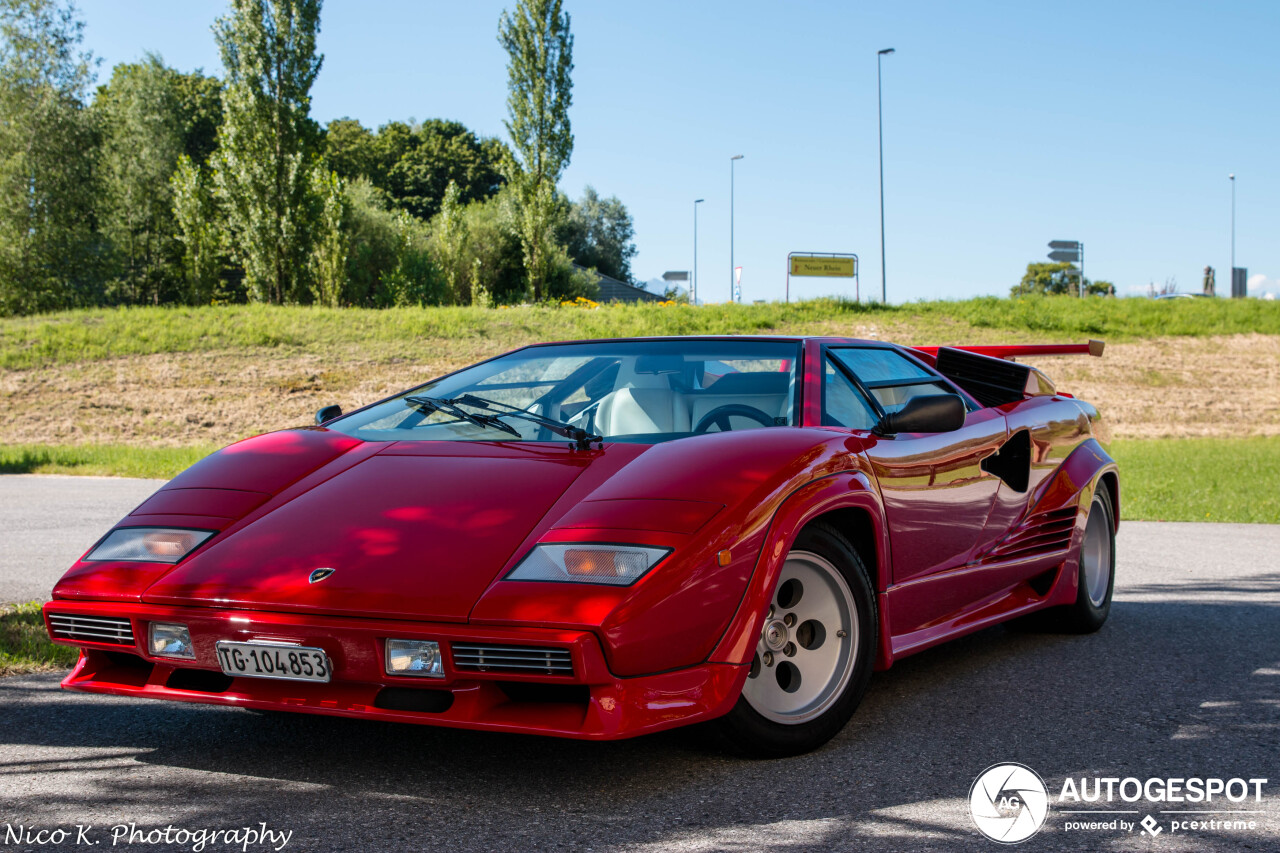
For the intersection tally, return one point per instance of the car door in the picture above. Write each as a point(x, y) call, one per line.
point(936, 495)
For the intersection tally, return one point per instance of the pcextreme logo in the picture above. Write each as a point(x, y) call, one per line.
point(1009, 803)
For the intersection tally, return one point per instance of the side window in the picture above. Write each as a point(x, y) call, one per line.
point(891, 378)
point(842, 403)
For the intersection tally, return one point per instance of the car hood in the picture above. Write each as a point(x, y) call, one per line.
point(418, 536)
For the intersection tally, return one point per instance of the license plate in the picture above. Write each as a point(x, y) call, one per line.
point(270, 660)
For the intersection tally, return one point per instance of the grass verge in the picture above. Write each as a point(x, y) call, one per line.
point(1191, 479)
point(24, 644)
point(96, 334)
point(1200, 479)
point(99, 460)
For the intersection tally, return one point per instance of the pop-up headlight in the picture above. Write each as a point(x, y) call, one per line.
point(611, 565)
point(149, 544)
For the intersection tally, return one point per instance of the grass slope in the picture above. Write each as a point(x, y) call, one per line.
point(93, 335)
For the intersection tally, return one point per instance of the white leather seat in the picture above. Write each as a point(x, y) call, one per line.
point(632, 411)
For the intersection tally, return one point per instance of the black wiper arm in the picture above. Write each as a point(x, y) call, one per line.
point(450, 407)
point(578, 436)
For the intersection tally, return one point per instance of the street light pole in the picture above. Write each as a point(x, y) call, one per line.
point(1232, 176)
point(731, 268)
point(693, 286)
point(884, 291)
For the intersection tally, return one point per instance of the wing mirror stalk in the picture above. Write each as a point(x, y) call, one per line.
point(928, 413)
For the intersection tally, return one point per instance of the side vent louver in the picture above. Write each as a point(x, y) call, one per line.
point(1042, 533)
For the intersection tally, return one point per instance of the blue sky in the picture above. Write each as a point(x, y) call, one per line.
point(1006, 125)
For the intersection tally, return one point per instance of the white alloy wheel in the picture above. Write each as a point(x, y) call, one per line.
point(809, 644)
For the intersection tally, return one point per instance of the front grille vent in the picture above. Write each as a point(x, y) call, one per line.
point(517, 659)
point(112, 630)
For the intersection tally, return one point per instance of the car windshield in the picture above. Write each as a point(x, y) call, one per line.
point(633, 391)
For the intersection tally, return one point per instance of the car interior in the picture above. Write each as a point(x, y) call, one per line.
point(665, 395)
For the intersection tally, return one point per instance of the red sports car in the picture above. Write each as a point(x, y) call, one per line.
point(606, 538)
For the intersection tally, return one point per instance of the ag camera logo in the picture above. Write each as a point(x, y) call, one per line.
point(1008, 803)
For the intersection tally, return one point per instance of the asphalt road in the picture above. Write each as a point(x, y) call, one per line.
point(1183, 681)
point(46, 523)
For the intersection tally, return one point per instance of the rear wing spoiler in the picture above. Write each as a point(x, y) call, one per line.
point(991, 374)
point(1093, 348)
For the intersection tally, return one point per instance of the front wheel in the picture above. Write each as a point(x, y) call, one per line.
point(814, 657)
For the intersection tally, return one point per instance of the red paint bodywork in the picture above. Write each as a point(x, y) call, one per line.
point(424, 534)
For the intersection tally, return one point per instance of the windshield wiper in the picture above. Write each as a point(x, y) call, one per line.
point(450, 407)
point(580, 437)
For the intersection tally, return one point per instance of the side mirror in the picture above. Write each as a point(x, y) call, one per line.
point(328, 413)
point(929, 413)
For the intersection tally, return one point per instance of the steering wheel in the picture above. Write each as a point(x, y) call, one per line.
point(720, 417)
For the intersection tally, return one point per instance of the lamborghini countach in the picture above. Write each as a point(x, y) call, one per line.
point(606, 538)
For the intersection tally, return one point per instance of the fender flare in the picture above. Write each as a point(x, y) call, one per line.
point(1076, 481)
point(844, 490)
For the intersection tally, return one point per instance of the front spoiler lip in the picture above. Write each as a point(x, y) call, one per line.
point(614, 708)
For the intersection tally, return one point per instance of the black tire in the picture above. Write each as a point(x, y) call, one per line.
point(747, 731)
point(1086, 615)
point(1089, 613)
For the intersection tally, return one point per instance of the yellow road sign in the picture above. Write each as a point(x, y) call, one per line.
point(818, 265)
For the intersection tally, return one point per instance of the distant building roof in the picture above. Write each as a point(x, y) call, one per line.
point(613, 290)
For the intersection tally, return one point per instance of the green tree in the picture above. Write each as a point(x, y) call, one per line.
point(48, 252)
point(199, 231)
point(440, 153)
point(350, 149)
point(392, 142)
point(1048, 278)
point(598, 233)
point(389, 261)
point(373, 241)
point(142, 138)
point(200, 113)
point(329, 257)
point(267, 142)
point(1059, 278)
point(450, 233)
point(493, 250)
point(539, 48)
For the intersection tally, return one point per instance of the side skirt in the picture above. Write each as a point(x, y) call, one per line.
point(1037, 587)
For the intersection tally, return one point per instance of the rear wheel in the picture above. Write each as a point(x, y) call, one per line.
point(1095, 578)
point(814, 657)
point(1097, 571)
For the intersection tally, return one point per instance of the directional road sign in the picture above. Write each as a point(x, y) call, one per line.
point(1071, 256)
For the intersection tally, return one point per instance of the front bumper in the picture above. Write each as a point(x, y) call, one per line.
point(591, 703)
